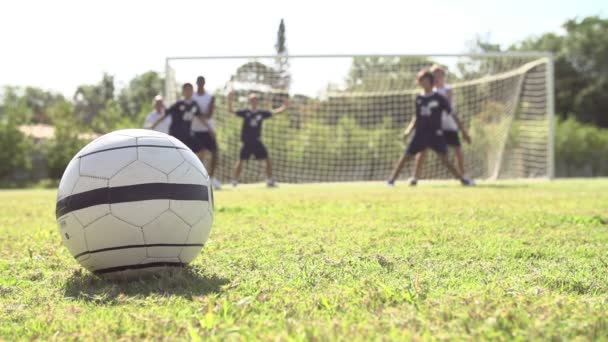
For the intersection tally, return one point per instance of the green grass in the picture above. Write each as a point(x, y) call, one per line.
point(506, 261)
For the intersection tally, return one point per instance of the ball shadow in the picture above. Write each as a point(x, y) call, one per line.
point(187, 282)
point(502, 186)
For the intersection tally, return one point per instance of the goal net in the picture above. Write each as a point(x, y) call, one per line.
point(347, 113)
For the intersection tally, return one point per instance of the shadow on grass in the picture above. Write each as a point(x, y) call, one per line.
point(502, 186)
point(186, 282)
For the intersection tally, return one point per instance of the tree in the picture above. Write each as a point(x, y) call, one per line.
point(14, 106)
point(581, 67)
point(282, 59)
point(256, 76)
point(59, 150)
point(39, 101)
point(136, 99)
point(90, 99)
point(384, 73)
point(14, 145)
point(111, 118)
point(586, 48)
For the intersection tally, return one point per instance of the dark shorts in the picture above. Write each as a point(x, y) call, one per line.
point(421, 142)
point(206, 140)
point(190, 141)
point(253, 148)
point(451, 138)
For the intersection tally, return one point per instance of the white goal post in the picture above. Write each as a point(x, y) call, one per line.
point(347, 112)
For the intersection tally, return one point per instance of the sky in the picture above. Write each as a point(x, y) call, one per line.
point(60, 44)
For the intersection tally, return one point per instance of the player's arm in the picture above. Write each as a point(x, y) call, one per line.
point(282, 108)
point(465, 133)
point(163, 117)
point(449, 95)
point(148, 122)
point(211, 107)
point(410, 127)
point(231, 97)
point(202, 118)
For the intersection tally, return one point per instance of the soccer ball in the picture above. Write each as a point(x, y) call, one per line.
point(134, 201)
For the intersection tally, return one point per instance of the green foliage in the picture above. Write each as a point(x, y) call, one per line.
point(384, 73)
point(39, 101)
point(91, 99)
point(111, 118)
point(522, 261)
point(281, 59)
point(29, 104)
point(14, 106)
point(14, 148)
point(581, 68)
point(137, 96)
point(59, 150)
point(579, 145)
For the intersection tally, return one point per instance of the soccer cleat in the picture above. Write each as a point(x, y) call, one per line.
point(271, 183)
point(467, 182)
point(390, 183)
point(235, 182)
point(413, 181)
point(215, 183)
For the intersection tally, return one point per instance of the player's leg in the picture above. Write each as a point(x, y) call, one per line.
point(440, 146)
point(459, 159)
point(416, 146)
point(399, 166)
point(261, 153)
point(238, 166)
point(419, 162)
point(453, 170)
point(453, 140)
point(215, 157)
point(269, 180)
point(460, 165)
point(201, 156)
point(446, 162)
point(209, 143)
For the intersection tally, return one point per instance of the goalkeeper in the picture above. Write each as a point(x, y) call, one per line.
point(427, 125)
point(450, 124)
point(251, 135)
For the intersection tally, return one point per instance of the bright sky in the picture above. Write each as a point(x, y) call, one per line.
point(60, 44)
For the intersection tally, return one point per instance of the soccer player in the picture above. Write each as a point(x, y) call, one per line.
point(157, 113)
point(450, 125)
point(427, 125)
point(204, 128)
point(251, 135)
point(182, 113)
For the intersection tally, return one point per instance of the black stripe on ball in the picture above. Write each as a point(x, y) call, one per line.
point(132, 193)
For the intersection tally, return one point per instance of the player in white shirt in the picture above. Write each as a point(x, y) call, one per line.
point(158, 112)
point(203, 128)
point(450, 124)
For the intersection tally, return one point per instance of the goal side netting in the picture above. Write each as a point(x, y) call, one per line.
point(347, 113)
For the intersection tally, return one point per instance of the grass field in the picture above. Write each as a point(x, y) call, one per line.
point(319, 262)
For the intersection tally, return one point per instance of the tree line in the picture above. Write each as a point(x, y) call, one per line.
point(581, 85)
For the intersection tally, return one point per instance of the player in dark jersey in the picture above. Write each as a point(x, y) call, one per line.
point(428, 132)
point(251, 135)
point(182, 113)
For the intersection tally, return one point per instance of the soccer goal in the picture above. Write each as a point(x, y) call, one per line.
point(347, 113)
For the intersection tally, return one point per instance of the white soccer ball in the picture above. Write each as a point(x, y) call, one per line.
point(134, 201)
